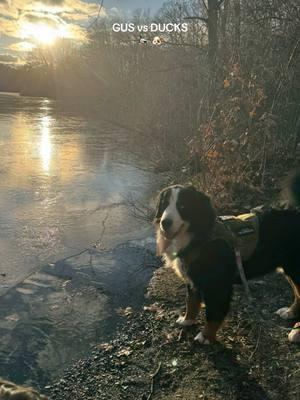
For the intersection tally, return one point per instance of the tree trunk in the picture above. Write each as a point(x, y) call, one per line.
point(237, 31)
point(212, 24)
point(223, 36)
point(212, 33)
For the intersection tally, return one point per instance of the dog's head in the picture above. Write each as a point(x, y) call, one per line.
point(184, 209)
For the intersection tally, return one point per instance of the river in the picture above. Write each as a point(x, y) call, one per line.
point(65, 184)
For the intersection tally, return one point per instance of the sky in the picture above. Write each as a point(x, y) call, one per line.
point(134, 4)
point(25, 25)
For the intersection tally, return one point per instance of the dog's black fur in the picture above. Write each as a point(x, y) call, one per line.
point(212, 274)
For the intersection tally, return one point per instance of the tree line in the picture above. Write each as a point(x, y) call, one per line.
point(218, 104)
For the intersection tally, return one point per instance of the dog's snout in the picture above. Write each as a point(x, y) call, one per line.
point(166, 224)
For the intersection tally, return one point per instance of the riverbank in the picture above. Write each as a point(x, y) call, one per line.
point(150, 357)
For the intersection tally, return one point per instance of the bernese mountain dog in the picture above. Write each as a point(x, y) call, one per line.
point(184, 221)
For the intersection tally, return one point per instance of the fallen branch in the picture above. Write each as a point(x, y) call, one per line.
point(139, 210)
point(152, 381)
point(257, 344)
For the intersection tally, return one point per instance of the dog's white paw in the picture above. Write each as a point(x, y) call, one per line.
point(285, 313)
point(294, 335)
point(186, 322)
point(200, 338)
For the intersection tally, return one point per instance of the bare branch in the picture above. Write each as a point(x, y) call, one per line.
point(204, 4)
point(197, 18)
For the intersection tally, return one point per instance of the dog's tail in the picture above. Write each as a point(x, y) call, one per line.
point(295, 189)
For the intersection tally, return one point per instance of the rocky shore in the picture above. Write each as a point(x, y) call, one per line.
point(152, 358)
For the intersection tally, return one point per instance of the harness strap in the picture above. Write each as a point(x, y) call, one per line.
point(242, 272)
point(188, 254)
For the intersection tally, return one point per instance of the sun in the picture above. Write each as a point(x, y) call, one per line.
point(43, 33)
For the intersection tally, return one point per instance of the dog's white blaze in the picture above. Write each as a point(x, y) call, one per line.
point(172, 213)
point(169, 248)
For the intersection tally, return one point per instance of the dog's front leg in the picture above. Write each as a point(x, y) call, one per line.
point(217, 302)
point(193, 301)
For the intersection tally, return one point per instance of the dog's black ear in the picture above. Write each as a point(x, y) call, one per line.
point(160, 205)
point(159, 210)
point(204, 214)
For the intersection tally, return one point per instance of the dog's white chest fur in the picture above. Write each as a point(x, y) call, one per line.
point(176, 236)
point(179, 268)
point(170, 254)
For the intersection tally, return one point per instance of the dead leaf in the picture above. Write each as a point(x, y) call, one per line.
point(226, 83)
point(105, 346)
point(153, 308)
point(125, 312)
point(124, 352)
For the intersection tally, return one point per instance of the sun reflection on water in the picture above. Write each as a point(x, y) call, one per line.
point(45, 143)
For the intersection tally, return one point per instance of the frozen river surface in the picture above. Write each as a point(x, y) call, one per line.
point(65, 183)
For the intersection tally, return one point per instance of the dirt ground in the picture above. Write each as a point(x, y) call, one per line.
point(152, 358)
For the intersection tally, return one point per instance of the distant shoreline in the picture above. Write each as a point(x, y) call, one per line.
point(20, 94)
point(10, 93)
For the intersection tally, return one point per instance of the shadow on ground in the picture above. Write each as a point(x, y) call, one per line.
point(58, 313)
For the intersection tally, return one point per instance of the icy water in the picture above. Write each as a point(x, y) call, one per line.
point(65, 182)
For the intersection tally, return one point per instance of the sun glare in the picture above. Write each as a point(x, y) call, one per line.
point(45, 143)
point(43, 33)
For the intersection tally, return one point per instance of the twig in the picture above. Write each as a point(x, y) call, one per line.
point(285, 71)
point(257, 343)
point(197, 18)
point(242, 273)
point(92, 248)
point(205, 5)
point(139, 210)
point(95, 21)
point(152, 381)
point(263, 161)
point(99, 241)
point(73, 255)
point(100, 9)
point(180, 335)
